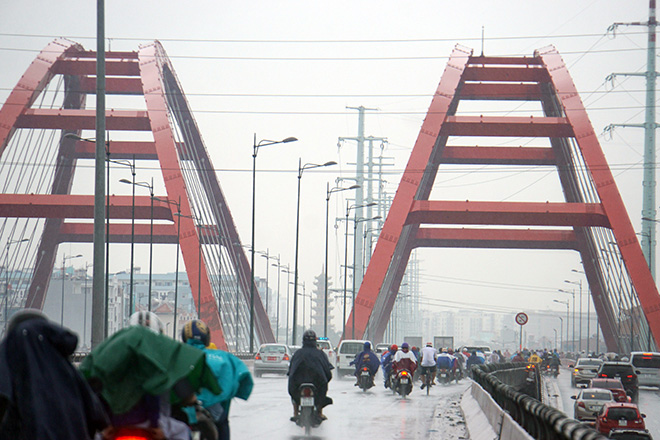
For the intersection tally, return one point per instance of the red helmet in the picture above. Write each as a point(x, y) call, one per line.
point(394, 347)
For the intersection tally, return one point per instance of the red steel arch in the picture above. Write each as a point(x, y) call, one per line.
point(175, 144)
point(592, 215)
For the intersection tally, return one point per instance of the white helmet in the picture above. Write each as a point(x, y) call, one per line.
point(149, 320)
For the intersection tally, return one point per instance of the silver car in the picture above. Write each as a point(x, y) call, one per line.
point(272, 358)
point(584, 370)
point(589, 402)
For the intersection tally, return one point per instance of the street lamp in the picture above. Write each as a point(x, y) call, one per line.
point(572, 293)
point(64, 258)
point(355, 239)
point(288, 282)
point(348, 210)
point(9, 243)
point(255, 149)
point(580, 317)
point(150, 187)
point(327, 214)
point(567, 313)
point(301, 169)
point(277, 310)
point(561, 332)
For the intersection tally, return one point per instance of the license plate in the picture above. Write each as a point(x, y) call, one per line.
point(307, 401)
point(365, 373)
point(623, 422)
point(404, 380)
point(271, 358)
point(443, 374)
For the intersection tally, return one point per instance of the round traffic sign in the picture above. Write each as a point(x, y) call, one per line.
point(522, 318)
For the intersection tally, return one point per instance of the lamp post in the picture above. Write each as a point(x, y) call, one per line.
point(301, 169)
point(277, 310)
point(567, 313)
point(9, 243)
point(348, 210)
point(329, 192)
point(255, 148)
point(87, 266)
point(572, 293)
point(64, 258)
point(288, 282)
point(561, 332)
point(150, 187)
point(355, 223)
point(580, 317)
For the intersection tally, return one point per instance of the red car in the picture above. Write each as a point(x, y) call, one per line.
point(618, 415)
point(614, 385)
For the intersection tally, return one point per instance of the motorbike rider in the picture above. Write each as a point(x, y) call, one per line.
point(310, 365)
point(42, 395)
point(474, 359)
point(445, 361)
point(535, 359)
point(140, 372)
point(366, 358)
point(232, 374)
point(518, 357)
point(427, 363)
point(386, 363)
point(404, 359)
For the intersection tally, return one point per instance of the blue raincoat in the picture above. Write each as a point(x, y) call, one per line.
point(232, 375)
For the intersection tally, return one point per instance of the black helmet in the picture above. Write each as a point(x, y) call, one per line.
point(309, 336)
point(198, 330)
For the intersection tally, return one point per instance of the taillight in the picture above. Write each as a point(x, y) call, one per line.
point(257, 357)
point(306, 392)
point(581, 405)
point(602, 375)
point(630, 376)
point(404, 373)
point(286, 357)
point(132, 437)
point(365, 369)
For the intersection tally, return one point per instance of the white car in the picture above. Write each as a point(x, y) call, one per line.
point(325, 345)
point(346, 353)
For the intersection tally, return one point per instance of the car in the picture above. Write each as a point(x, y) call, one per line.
point(619, 415)
point(648, 364)
point(613, 385)
point(625, 372)
point(584, 370)
point(272, 358)
point(325, 345)
point(630, 434)
point(382, 348)
point(346, 353)
point(589, 402)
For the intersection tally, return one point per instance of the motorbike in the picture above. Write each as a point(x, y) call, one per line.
point(365, 380)
point(307, 412)
point(131, 433)
point(551, 370)
point(444, 376)
point(403, 383)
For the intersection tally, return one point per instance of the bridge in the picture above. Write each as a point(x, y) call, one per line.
point(42, 151)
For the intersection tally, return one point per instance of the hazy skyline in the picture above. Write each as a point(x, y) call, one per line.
point(290, 68)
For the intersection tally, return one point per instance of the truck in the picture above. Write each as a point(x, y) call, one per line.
point(441, 342)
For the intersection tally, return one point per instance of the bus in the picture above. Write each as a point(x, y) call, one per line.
point(648, 365)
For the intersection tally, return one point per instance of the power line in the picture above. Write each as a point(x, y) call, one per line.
point(366, 41)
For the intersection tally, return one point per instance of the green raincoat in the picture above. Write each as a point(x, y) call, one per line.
point(136, 361)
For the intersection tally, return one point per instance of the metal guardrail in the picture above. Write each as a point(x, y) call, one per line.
point(540, 420)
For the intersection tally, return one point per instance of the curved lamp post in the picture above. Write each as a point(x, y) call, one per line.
point(329, 192)
point(301, 169)
point(255, 148)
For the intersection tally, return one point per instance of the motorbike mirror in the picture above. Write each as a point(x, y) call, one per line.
point(570, 365)
point(643, 415)
point(574, 397)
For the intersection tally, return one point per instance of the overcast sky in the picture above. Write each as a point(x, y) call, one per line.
point(290, 68)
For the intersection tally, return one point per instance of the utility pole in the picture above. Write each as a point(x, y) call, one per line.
point(649, 126)
point(360, 197)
